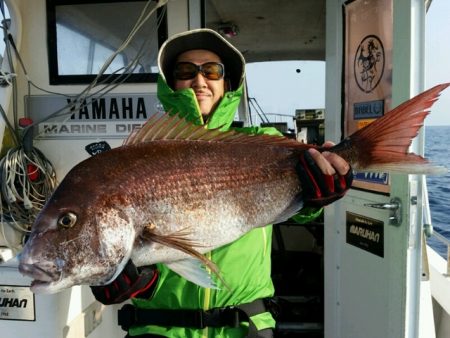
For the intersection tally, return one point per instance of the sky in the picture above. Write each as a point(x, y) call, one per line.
point(288, 89)
point(437, 58)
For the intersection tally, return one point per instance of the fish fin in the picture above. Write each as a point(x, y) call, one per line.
point(291, 210)
point(173, 127)
point(194, 271)
point(383, 145)
point(180, 242)
point(119, 269)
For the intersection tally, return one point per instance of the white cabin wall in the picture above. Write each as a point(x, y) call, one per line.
point(5, 92)
point(31, 43)
point(177, 16)
point(33, 46)
point(29, 16)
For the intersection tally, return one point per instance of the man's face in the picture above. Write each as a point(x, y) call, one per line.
point(208, 92)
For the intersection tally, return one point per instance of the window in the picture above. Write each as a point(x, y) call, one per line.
point(83, 35)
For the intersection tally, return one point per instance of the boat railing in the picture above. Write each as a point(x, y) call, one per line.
point(446, 242)
point(428, 228)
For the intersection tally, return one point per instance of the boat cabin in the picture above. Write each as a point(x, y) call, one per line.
point(84, 72)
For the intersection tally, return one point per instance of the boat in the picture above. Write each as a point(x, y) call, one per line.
point(82, 73)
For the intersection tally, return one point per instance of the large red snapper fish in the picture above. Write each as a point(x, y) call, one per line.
point(175, 191)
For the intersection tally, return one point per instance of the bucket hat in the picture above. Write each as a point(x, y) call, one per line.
point(203, 38)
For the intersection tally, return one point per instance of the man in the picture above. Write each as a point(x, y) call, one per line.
point(201, 78)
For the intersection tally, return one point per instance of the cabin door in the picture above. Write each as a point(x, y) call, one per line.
point(373, 235)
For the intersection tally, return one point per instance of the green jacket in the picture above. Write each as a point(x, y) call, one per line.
point(245, 263)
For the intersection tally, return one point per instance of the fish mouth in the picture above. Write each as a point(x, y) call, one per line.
point(43, 278)
point(37, 285)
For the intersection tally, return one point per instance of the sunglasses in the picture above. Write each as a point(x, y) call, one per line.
point(189, 70)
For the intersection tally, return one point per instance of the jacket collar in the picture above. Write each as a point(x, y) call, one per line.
point(184, 103)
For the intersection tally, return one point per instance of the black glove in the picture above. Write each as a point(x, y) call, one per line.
point(320, 189)
point(132, 282)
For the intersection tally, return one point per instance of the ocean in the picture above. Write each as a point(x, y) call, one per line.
point(437, 150)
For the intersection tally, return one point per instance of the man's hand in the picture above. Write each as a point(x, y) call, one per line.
point(325, 176)
point(132, 282)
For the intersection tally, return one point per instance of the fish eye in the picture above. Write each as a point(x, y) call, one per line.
point(67, 220)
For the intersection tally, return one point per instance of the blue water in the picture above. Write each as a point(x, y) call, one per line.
point(437, 150)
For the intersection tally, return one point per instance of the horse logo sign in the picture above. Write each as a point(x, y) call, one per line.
point(369, 63)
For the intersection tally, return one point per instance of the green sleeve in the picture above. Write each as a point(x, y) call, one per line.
point(307, 214)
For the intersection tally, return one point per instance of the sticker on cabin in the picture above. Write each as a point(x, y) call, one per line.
point(368, 110)
point(372, 177)
point(16, 303)
point(112, 116)
point(365, 233)
point(369, 63)
point(97, 148)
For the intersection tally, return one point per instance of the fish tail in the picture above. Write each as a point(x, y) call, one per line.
point(383, 145)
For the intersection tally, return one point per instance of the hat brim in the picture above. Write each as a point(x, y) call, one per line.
point(203, 38)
